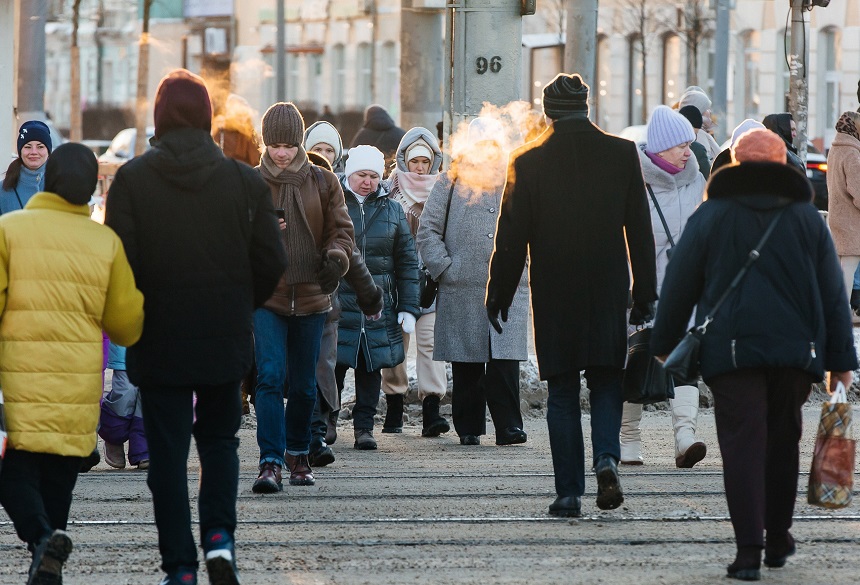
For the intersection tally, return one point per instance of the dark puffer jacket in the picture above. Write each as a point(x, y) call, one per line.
point(389, 252)
point(790, 310)
point(379, 130)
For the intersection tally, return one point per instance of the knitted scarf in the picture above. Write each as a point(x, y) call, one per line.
point(663, 164)
point(299, 240)
point(847, 124)
point(411, 190)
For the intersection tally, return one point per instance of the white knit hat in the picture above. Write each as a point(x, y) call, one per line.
point(418, 148)
point(694, 96)
point(668, 129)
point(365, 158)
point(323, 132)
point(746, 125)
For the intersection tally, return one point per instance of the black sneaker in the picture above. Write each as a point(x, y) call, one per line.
point(48, 559)
point(220, 553)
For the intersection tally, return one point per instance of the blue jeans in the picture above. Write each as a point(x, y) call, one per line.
point(285, 346)
point(564, 420)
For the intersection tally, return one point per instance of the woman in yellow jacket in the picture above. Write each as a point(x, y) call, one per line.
point(63, 279)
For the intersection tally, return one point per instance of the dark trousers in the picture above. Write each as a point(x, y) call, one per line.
point(759, 423)
point(564, 420)
point(167, 416)
point(367, 388)
point(319, 422)
point(36, 491)
point(476, 387)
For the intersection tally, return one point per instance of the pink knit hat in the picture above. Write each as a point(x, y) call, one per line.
point(759, 145)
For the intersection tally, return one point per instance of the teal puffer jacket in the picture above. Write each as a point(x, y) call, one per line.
point(389, 252)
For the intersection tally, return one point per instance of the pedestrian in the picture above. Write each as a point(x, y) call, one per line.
point(843, 188)
point(323, 138)
point(233, 131)
point(380, 131)
point(455, 243)
point(696, 96)
point(202, 238)
point(695, 118)
point(575, 204)
point(675, 187)
point(778, 331)
point(385, 241)
point(783, 126)
point(725, 157)
point(121, 419)
point(317, 232)
point(55, 261)
point(25, 175)
point(418, 161)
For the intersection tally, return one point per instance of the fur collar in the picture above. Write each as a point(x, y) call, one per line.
point(766, 180)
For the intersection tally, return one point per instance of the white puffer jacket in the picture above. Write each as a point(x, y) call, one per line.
point(678, 195)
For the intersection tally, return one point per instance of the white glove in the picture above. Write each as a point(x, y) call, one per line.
point(407, 321)
point(376, 317)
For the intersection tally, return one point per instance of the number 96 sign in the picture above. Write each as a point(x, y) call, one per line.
point(493, 65)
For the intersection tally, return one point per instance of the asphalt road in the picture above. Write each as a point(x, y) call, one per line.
point(428, 511)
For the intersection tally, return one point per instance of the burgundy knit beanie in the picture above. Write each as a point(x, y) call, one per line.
point(182, 101)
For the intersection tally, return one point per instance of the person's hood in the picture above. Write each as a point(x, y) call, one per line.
point(781, 125)
point(412, 136)
point(760, 185)
point(338, 148)
point(660, 179)
point(185, 157)
point(376, 118)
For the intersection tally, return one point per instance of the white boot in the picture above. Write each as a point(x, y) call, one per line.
point(631, 434)
point(685, 410)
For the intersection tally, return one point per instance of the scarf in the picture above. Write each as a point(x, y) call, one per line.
point(847, 124)
point(663, 164)
point(411, 190)
point(298, 238)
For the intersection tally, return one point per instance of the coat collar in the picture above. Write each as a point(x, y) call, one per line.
point(768, 183)
point(54, 202)
point(573, 125)
point(845, 140)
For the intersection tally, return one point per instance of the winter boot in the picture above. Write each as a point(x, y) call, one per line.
point(331, 427)
point(364, 440)
point(434, 424)
point(393, 414)
point(631, 434)
point(685, 410)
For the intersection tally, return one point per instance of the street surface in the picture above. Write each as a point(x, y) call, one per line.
point(429, 511)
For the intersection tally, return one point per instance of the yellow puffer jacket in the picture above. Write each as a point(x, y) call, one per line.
point(63, 279)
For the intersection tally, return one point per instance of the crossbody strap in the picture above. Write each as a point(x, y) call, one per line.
point(660, 213)
point(448, 209)
point(754, 255)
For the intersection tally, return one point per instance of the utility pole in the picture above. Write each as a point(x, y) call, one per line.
point(798, 87)
point(719, 104)
point(141, 106)
point(421, 64)
point(75, 118)
point(31, 58)
point(281, 54)
point(580, 45)
point(8, 124)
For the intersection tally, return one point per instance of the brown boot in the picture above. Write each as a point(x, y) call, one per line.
point(269, 480)
point(300, 470)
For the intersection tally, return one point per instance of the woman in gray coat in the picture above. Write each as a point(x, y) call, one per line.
point(485, 364)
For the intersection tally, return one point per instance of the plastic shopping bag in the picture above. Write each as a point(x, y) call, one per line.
point(832, 474)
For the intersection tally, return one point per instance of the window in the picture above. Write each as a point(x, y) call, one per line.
point(604, 74)
point(747, 99)
point(313, 62)
point(635, 82)
point(705, 65)
point(338, 82)
point(672, 86)
point(364, 65)
point(295, 90)
point(829, 63)
point(390, 89)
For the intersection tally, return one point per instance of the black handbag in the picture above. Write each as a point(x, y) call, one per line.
point(683, 362)
point(645, 381)
point(428, 285)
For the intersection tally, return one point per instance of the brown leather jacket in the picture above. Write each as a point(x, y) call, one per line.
point(331, 226)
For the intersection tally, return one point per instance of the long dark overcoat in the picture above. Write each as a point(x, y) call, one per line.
point(575, 202)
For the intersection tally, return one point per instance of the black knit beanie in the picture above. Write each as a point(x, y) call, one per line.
point(71, 172)
point(283, 124)
point(565, 95)
point(693, 114)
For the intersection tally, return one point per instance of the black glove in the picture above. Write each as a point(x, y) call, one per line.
point(641, 313)
point(329, 274)
point(493, 316)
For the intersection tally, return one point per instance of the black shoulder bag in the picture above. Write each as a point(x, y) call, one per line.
point(429, 287)
point(662, 220)
point(683, 362)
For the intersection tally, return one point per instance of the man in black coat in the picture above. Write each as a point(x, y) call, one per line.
point(379, 130)
point(202, 239)
point(575, 201)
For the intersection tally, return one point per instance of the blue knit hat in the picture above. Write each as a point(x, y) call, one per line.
point(668, 129)
point(34, 130)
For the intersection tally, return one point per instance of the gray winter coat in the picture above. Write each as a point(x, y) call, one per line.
point(461, 266)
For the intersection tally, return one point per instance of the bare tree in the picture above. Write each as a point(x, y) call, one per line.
point(75, 121)
point(639, 16)
point(554, 15)
point(142, 81)
point(696, 23)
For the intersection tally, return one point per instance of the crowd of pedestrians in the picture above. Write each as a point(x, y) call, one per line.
point(297, 261)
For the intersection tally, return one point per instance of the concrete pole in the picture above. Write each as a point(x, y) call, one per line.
point(281, 55)
point(719, 103)
point(798, 87)
point(31, 58)
point(8, 124)
point(420, 66)
point(580, 45)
